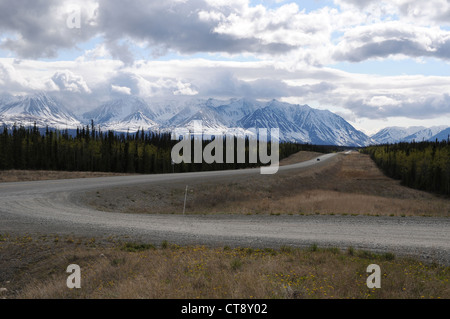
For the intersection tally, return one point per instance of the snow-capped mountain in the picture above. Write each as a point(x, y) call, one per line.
point(441, 136)
point(38, 108)
point(303, 123)
point(122, 115)
point(166, 110)
point(117, 110)
point(299, 123)
point(272, 117)
point(235, 110)
point(425, 134)
point(208, 118)
point(133, 123)
point(296, 122)
point(396, 134)
point(5, 99)
point(325, 127)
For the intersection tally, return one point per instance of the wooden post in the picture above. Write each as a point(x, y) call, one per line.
point(185, 197)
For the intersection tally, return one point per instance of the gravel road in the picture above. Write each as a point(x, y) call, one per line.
point(54, 207)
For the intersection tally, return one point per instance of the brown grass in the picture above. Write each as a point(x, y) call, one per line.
point(299, 157)
point(37, 175)
point(348, 184)
point(113, 270)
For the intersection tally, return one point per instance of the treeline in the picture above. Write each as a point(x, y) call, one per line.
point(424, 166)
point(90, 149)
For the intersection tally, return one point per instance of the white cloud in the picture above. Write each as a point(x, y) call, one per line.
point(68, 81)
point(287, 24)
point(121, 89)
point(10, 77)
point(100, 51)
point(383, 40)
point(184, 89)
point(230, 27)
point(417, 12)
point(41, 27)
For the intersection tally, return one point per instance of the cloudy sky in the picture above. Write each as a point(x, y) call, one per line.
point(376, 63)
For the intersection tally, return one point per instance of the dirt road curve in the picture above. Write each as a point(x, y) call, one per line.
point(52, 207)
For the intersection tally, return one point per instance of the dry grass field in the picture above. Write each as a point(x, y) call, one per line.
point(36, 268)
point(346, 185)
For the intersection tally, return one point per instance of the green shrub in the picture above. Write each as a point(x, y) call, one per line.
point(135, 247)
point(236, 264)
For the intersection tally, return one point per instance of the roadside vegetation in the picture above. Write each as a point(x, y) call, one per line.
point(15, 175)
point(36, 268)
point(424, 166)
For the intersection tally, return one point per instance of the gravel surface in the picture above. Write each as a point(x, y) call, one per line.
point(54, 207)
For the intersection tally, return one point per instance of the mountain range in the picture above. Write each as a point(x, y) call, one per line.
point(38, 108)
point(396, 134)
point(297, 123)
